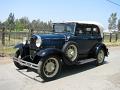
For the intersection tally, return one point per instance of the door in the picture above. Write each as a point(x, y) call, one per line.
point(83, 36)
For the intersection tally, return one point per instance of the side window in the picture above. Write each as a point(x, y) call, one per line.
point(96, 31)
point(83, 29)
point(88, 30)
point(79, 29)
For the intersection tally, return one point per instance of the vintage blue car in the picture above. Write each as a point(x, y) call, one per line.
point(71, 43)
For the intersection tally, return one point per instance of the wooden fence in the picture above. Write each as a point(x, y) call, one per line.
point(10, 39)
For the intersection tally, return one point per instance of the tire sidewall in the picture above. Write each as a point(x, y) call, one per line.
point(97, 62)
point(41, 72)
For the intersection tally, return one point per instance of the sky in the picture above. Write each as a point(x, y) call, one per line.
point(60, 10)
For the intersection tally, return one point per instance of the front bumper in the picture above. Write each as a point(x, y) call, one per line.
point(25, 63)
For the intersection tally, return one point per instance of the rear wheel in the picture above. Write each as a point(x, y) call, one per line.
point(17, 55)
point(100, 57)
point(49, 68)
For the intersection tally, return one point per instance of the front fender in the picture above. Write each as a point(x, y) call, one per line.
point(24, 49)
point(46, 53)
point(20, 45)
point(49, 51)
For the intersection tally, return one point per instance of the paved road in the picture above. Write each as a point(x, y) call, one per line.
point(84, 77)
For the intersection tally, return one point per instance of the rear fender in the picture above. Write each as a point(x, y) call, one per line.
point(98, 47)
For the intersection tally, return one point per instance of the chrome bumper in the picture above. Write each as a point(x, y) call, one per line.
point(25, 63)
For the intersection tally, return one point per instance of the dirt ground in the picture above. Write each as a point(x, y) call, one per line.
point(84, 77)
point(5, 60)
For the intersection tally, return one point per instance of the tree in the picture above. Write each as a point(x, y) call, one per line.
point(11, 22)
point(41, 26)
point(112, 22)
point(118, 25)
point(18, 25)
point(50, 25)
point(25, 22)
point(3, 33)
point(0, 25)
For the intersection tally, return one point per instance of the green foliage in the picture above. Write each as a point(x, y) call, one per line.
point(38, 25)
point(11, 21)
point(23, 24)
point(18, 26)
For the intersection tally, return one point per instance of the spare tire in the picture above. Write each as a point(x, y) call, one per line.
point(71, 51)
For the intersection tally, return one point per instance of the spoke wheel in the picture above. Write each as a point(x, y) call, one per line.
point(49, 68)
point(71, 52)
point(100, 57)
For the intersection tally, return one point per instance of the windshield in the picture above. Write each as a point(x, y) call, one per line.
point(64, 27)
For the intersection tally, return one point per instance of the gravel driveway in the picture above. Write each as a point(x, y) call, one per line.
point(84, 77)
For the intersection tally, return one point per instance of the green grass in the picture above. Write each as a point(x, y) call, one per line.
point(7, 51)
point(112, 44)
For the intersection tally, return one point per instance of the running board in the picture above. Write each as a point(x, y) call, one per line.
point(86, 61)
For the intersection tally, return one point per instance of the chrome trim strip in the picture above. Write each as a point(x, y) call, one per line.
point(86, 61)
point(53, 38)
point(25, 63)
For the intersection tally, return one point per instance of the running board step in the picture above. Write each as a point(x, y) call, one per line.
point(86, 61)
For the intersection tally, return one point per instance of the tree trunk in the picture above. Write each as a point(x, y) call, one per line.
point(31, 32)
point(9, 35)
point(116, 38)
point(110, 37)
point(3, 36)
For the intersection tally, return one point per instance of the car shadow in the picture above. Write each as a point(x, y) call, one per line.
point(33, 78)
point(66, 71)
point(71, 70)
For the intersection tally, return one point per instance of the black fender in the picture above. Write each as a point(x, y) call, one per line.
point(20, 45)
point(47, 52)
point(20, 48)
point(24, 49)
point(98, 46)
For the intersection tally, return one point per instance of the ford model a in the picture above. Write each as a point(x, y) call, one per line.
point(71, 43)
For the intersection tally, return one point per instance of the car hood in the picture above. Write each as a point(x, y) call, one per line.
point(65, 36)
point(52, 36)
point(52, 40)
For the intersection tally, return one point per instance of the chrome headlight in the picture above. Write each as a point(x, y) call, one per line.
point(24, 40)
point(38, 41)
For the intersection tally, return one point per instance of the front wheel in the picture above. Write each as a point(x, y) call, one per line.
point(100, 57)
point(49, 68)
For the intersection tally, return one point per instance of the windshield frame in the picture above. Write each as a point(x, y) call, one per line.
point(65, 25)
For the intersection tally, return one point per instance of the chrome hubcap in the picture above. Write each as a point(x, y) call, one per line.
point(51, 67)
point(72, 52)
point(100, 56)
